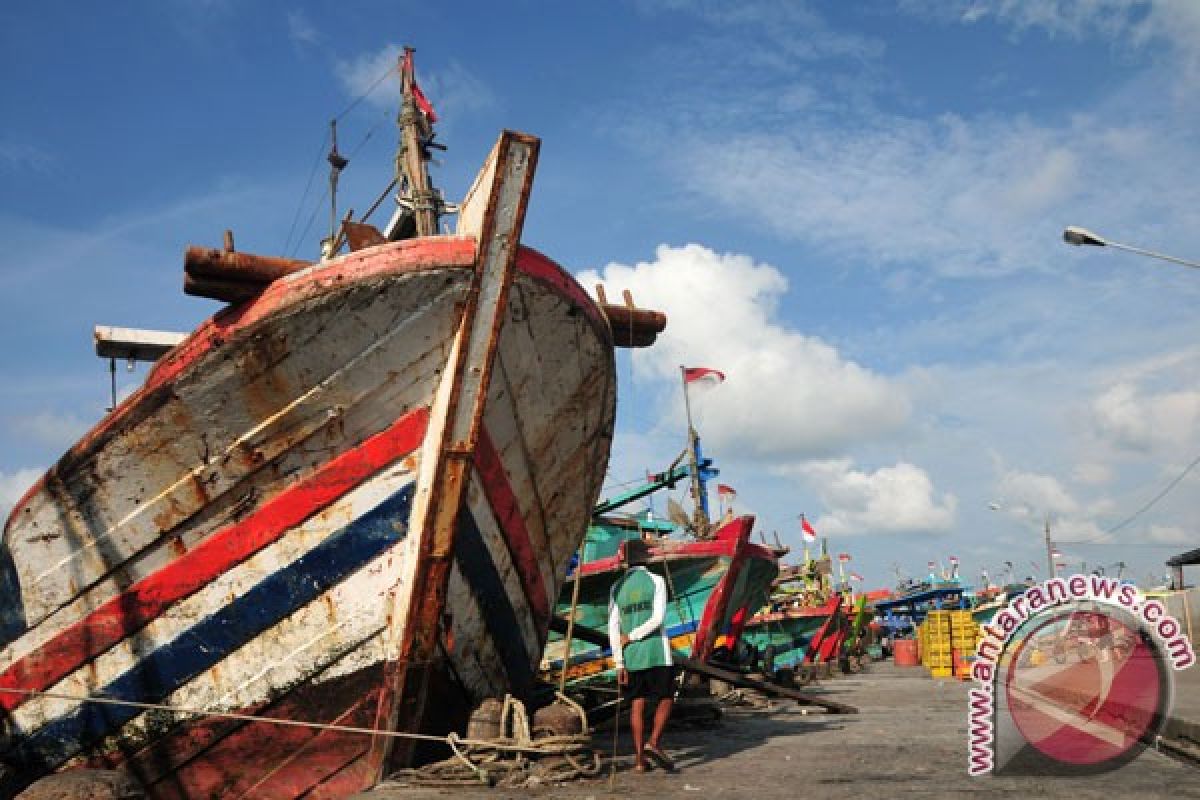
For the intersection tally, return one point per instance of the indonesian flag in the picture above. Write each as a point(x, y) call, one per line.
point(954, 561)
point(932, 566)
point(725, 492)
point(854, 576)
point(693, 374)
point(1056, 553)
point(843, 557)
point(806, 528)
point(419, 96)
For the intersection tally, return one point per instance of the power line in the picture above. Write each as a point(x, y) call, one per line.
point(1154, 500)
point(1156, 497)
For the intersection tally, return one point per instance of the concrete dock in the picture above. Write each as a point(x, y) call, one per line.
point(909, 740)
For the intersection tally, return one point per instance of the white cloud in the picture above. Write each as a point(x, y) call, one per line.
point(899, 499)
point(787, 396)
point(1029, 494)
point(16, 156)
point(1146, 24)
point(13, 486)
point(1132, 420)
point(959, 196)
point(1091, 473)
point(367, 75)
point(44, 427)
point(1169, 534)
point(453, 90)
point(300, 28)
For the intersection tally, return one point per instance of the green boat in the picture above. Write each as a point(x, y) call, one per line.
point(715, 576)
point(713, 584)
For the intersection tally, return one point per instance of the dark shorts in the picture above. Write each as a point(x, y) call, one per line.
point(655, 683)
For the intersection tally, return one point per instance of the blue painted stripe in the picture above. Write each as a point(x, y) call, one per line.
point(209, 641)
point(475, 563)
point(12, 607)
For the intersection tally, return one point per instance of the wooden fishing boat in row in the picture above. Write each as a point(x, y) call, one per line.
point(805, 622)
point(338, 512)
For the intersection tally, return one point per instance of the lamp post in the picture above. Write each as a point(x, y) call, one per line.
point(1051, 569)
point(1083, 237)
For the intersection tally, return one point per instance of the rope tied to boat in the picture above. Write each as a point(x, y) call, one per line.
point(520, 758)
point(529, 746)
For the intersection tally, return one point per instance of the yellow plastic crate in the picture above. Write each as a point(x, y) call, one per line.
point(941, 672)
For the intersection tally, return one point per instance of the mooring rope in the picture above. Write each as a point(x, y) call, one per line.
point(291, 723)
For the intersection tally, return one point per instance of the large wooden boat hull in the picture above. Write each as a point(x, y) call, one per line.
point(244, 534)
point(713, 586)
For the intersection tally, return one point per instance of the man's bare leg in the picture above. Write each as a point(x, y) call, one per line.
point(661, 715)
point(637, 725)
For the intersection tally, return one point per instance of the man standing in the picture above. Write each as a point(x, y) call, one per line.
point(637, 610)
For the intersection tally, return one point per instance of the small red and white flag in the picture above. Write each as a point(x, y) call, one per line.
point(854, 576)
point(725, 492)
point(419, 96)
point(694, 374)
point(932, 566)
point(843, 557)
point(1056, 553)
point(806, 528)
point(954, 561)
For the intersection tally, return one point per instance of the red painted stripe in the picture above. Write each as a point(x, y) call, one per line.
point(718, 602)
point(666, 552)
point(541, 268)
point(498, 490)
point(143, 601)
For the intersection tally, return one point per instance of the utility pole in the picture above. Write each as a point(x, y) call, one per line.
point(1050, 568)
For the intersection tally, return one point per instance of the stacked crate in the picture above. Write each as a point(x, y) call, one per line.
point(937, 654)
point(964, 635)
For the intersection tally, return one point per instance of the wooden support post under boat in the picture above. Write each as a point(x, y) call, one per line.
point(494, 212)
point(559, 625)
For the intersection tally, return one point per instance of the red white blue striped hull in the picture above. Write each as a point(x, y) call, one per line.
point(244, 534)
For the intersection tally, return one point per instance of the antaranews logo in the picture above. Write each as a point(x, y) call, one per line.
point(1074, 677)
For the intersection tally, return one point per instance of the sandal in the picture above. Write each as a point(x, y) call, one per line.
point(660, 758)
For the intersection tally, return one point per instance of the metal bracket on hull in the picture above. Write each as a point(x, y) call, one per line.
point(494, 212)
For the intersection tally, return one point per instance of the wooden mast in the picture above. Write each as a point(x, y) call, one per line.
point(416, 131)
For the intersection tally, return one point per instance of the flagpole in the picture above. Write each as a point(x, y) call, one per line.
point(699, 517)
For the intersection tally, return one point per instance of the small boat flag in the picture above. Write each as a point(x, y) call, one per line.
point(419, 96)
point(854, 576)
point(694, 374)
point(806, 528)
point(843, 557)
point(725, 492)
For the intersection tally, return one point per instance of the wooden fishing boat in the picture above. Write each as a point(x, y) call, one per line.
point(790, 636)
point(711, 584)
point(337, 513)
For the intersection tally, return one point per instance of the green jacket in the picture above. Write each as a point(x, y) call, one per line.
point(637, 606)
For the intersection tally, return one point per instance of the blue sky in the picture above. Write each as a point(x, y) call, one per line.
point(853, 209)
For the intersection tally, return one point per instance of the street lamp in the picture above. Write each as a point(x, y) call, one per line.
point(1051, 568)
point(1082, 236)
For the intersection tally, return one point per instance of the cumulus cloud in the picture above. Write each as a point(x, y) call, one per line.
point(898, 499)
point(1132, 420)
point(1027, 494)
point(13, 486)
point(788, 396)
